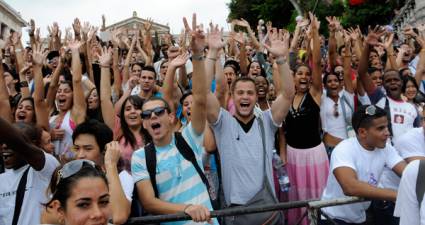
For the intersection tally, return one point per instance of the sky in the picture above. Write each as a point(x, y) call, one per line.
point(170, 12)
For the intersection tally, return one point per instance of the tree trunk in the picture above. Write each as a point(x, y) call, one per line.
point(297, 7)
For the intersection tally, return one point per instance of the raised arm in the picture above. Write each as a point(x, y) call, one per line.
point(14, 139)
point(371, 40)
point(316, 88)
point(41, 109)
point(120, 205)
point(279, 48)
point(421, 64)
point(54, 82)
point(199, 84)
point(78, 111)
point(105, 88)
point(348, 83)
point(333, 22)
point(126, 68)
point(5, 110)
point(170, 85)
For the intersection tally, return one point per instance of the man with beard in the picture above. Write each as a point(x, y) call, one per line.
point(26, 164)
point(402, 117)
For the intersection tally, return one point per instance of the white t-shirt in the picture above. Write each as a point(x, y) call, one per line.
point(407, 207)
point(336, 126)
point(403, 115)
point(127, 184)
point(35, 192)
point(411, 144)
point(368, 166)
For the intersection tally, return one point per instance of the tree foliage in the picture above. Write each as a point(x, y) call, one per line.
point(282, 12)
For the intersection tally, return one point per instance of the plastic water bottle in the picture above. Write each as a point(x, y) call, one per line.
point(282, 174)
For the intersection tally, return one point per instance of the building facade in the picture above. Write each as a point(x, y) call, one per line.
point(10, 20)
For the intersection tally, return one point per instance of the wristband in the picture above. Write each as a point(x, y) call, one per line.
point(17, 50)
point(281, 60)
point(198, 57)
point(23, 83)
point(212, 59)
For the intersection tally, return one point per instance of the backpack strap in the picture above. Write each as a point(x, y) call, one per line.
point(20, 193)
point(150, 156)
point(187, 153)
point(420, 183)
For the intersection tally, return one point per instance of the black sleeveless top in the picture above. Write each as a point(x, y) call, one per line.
point(303, 124)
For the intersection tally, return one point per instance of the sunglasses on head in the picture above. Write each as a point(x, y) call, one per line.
point(147, 114)
point(71, 168)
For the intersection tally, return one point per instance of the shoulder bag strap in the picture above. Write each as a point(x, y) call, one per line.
point(263, 140)
point(150, 154)
point(20, 193)
point(420, 183)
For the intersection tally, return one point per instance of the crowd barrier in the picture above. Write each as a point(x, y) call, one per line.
point(313, 207)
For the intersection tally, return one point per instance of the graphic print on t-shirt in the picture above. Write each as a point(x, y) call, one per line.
point(398, 119)
point(372, 180)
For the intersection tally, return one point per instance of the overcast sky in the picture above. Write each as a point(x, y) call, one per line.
point(171, 12)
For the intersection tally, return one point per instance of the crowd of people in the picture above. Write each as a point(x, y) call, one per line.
point(95, 131)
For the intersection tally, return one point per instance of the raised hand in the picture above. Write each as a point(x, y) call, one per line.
point(179, 61)
point(115, 33)
point(374, 35)
point(197, 42)
point(238, 37)
point(75, 45)
point(214, 37)
point(92, 32)
point(105, 57)
point(279, 43)
point(112, 154)
point(38, 56)
point(408, 31)
point(148, 24)
point(314, 22)
point(334, 23)
point(32, 27)
point(76, 25)
point(388, 40)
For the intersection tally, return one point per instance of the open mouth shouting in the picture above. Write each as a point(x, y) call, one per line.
point(21, 116)
point(156, 128)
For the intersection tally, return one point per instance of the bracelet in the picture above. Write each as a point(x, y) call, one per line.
point(17, 50)
point(198, 57)
point(23, 83)
point(212, 59)
point(281, 60)
point(186, 207)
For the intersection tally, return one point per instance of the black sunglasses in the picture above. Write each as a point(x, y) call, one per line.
point(147, 114)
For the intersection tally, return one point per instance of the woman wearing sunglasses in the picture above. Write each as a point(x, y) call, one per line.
point(80, 194)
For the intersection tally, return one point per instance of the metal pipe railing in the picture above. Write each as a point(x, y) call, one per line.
point(312, 204)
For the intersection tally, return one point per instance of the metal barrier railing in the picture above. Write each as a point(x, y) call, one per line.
point(313, 207)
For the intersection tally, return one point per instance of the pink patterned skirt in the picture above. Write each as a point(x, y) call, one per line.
point(308, 172)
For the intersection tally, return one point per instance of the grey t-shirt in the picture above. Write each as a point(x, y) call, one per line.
point(241, 155)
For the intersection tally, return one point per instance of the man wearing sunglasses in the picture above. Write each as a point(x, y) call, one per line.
point(357, 165)
point(28, 173)
point(179, 186)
